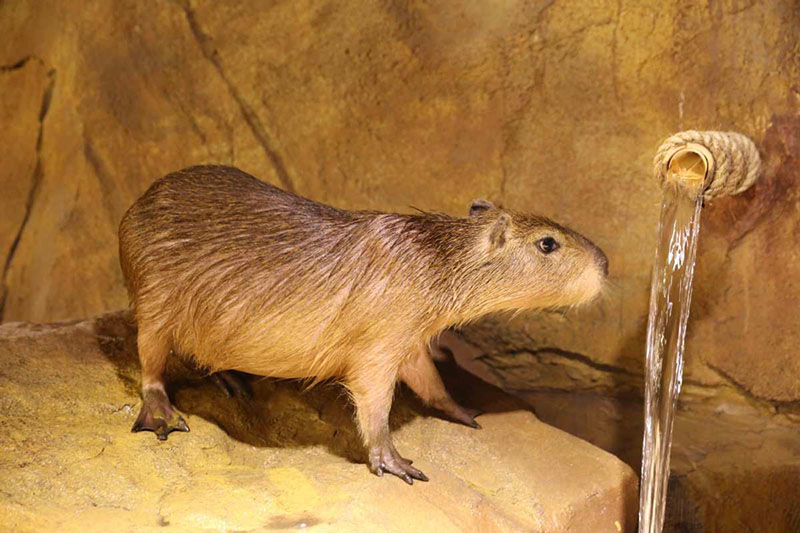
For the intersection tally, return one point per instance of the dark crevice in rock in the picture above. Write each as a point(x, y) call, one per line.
point(105, 179)
point(614, 59)
point(206, 45)
point(20, 64)
point(566, 354)
point(37, 177)
point(494, 364)
point(588, 361)
point(504, 173)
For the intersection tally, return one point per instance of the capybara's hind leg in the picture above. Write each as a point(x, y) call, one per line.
point(232, 383)
point(420, 374)
point(157, 413)
point(372, 390)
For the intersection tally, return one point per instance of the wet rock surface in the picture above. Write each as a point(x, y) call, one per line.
point(284, 459)
point(733, 467)
point(735, 463)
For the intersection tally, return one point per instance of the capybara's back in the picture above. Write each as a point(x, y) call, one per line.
point(240, 275)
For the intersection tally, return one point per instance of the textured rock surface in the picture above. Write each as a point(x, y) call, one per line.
point(735, 463)
point(732, 469)
point(282, 459)
point(544, 106)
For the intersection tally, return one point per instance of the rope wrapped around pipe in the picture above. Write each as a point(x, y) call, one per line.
point(734, 160)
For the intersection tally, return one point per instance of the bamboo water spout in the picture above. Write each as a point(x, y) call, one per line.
point(691, 166)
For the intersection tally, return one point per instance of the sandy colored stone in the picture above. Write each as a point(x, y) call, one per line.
point(733, 468)
point(735, 461)
point(68, 396)
point(542, 106)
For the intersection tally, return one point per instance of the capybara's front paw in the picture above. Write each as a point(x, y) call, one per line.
point(384, 458)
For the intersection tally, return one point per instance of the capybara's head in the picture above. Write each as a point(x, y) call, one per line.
point(532, 262)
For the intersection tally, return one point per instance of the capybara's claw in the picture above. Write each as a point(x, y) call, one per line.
point(469, 417)
point(158, 415)
point(159, 426)
point(385, 458)
point(461, 414)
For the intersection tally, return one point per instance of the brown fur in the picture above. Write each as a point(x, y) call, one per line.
point(244, 276)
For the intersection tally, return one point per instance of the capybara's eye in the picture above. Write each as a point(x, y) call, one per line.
point(548, 245)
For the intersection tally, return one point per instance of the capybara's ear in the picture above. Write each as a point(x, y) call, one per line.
point(479, 206)
point(500, 230)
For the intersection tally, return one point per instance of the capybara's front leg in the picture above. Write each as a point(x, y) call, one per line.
point(372, 389)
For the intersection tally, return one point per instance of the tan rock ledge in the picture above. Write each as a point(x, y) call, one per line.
point(284, 459)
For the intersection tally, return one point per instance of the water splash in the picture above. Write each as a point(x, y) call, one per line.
point(670, 296)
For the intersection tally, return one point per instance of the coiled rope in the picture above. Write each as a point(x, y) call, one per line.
point(732, 160)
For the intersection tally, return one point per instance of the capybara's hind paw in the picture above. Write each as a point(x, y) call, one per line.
point(158, 415)
point(384, 458)
point(232, 383)
point(158, 425)
point(465, 415)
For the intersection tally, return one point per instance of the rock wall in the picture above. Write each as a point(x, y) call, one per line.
point(547, 106)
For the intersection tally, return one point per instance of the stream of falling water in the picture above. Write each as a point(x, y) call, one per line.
point(670, 296)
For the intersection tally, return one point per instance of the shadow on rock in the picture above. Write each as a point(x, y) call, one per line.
point(284, 413)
